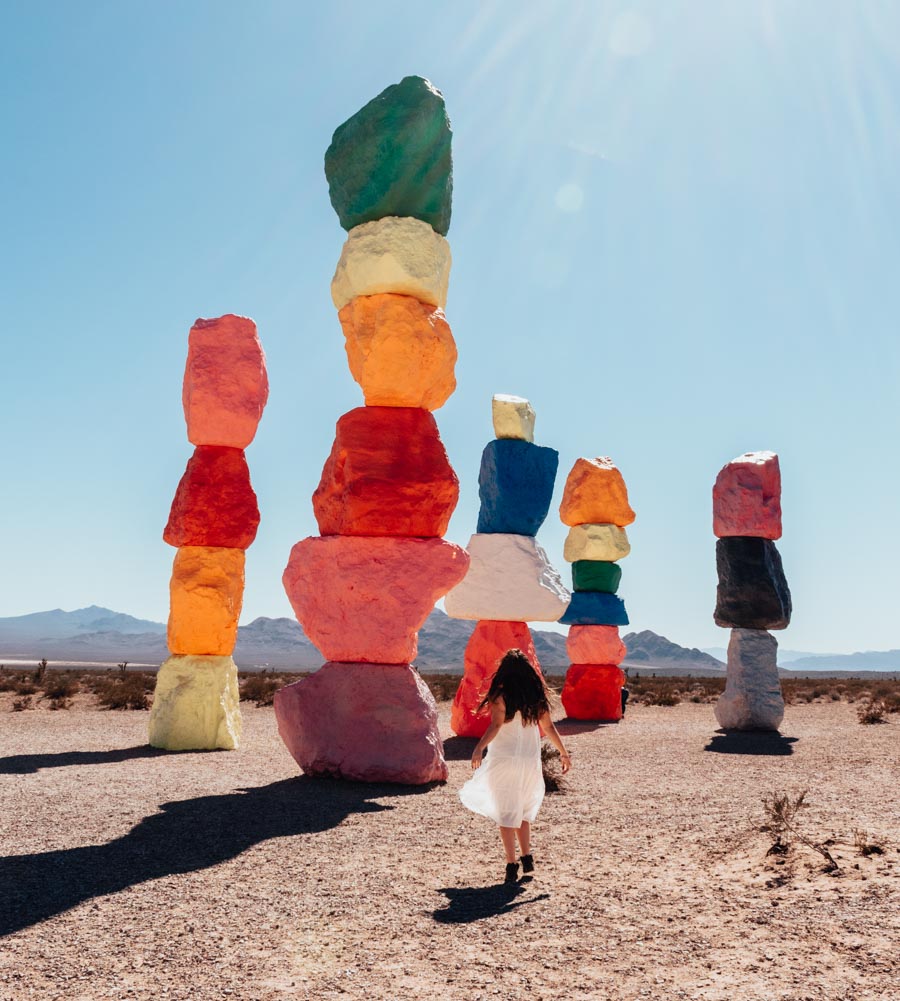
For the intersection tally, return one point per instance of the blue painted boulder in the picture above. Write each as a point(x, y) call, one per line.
point(515, 486)
point(595, 608)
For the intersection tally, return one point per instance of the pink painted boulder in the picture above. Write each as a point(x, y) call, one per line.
point(364, 722)
point(486, 647)
point(365, 599)
point(595, 645)
point(225, 382)
point(747, 497)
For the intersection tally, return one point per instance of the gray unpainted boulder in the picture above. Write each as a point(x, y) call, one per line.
point(752, 698)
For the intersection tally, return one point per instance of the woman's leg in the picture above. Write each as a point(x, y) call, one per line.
point(524, 833)
point(508, 837)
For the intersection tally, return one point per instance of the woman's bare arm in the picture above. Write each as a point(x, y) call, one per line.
point(553, 736)
point(498, 718)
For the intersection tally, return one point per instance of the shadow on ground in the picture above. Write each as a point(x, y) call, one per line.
point(186, 836)
point(569, 727)
point(25, 764)
point(750, 742)
point(459, 748)
point(475, 903)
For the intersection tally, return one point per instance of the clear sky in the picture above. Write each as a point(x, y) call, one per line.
point(676, 229)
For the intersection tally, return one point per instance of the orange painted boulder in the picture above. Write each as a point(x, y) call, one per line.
point(595, 645)
point(365, 722)
point(400, 351)
point(214, 504)
point(388, 474)
point(225, 382)
point(595, 493)
point(747, 497)
point(484, 651)
point(206, 592)
point(594, 692)
point(365, 599)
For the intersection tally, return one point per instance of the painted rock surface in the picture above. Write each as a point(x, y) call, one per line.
point(596, 575)
point(509, 578)
point(486, 647)
point(595, 608)
point(752, 698)
point(747, 497)
point(392, 158)
point(593, 692)
point(400, 351)
point(215, 504)
point(513, 417)
point(206, 592)
point(595, 494)
point(225, 382)
point(393, 255)
point(595, 645)
point(365, 599)
point(365, 722)
point(388, 474)
point(196, 705)
point(752, 591)
point(607, 543)
point(515, 486)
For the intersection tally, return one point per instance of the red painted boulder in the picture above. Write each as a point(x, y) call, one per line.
point(747, 497)
point(486, 647)
point(365, 599)
point(595, 645)
point(365, 722)
point(214, 504)
point(225, 382)
point(593, 692)
point(388, 474)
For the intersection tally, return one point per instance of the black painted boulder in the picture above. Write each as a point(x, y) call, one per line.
point(392, 158)
point(752, 591)
point(515, 486)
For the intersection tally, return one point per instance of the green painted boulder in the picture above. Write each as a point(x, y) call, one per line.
point(392, 158)
point(596, 575)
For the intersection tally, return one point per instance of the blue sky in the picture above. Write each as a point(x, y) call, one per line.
point(676, 229)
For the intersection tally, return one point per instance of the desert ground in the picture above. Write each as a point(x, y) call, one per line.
point(132, 873)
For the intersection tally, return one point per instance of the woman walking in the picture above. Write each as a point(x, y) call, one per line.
point(509, 787)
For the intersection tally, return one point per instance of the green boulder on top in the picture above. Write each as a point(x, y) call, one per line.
point(392, 158)
point(596, 575)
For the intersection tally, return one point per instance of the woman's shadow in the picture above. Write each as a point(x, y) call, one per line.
point(474, 903)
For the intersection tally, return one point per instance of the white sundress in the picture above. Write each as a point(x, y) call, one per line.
point(509, 786)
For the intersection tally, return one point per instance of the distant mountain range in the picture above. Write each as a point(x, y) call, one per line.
point(99, 635)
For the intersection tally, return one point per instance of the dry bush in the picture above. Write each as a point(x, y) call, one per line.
point(781, 821)
point(63, 703)
point(551, 766)
point(124, 691)
point(443, 686)
point(868, 844)
point(873, 711)
point(259, 688)
point(60, 685)
point(20, 704)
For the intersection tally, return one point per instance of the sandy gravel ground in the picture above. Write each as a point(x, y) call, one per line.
point(128, 873)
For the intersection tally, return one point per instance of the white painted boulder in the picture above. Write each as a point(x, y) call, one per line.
point(513, 417)
point(752, 698)
point(196, 706)
point(509, 579)
point(596, 542)
point(395, 254)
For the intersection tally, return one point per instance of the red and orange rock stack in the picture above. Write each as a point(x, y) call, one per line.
point(363, 588)
point(213, 520)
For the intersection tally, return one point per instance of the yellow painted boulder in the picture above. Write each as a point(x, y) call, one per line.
point(596, 542)
point(400, 351)
point(395, 254)
point(595, 494)
point(196, 706)
point(513, 417)
point(206, 592)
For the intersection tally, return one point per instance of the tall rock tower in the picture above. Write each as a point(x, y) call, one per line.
point(363, 588)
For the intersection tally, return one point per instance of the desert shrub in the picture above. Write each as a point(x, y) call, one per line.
point(782, 812)
point(20, 704)
point(25, 686)
point(873, 711)
point(551, 766)
point(62, 703)
point(60, 686)
point(40, 670)
point(124, 691)
point(443, 686)
point(259, 688)
point(867, 844)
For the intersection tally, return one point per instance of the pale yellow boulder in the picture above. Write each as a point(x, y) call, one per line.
point(196, 706)
point(596, 542)
point(394, 254)
point(513, 417)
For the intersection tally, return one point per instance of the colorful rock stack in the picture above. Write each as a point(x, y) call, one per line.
point(753, 595)
point(595, 506)
point(213, 520)
point(363, 588)
point(510, 580)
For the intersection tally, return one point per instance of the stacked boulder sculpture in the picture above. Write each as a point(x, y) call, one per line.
point(510, 580)
point(596, 509)
point(213, 520)
point(753, 595)
point(364, 586)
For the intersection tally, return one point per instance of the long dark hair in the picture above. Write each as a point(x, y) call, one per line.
point(522, 688)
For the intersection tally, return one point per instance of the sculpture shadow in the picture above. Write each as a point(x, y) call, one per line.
point(26, 764)
point(459, 748)
point(569, 727)
point(186, 836)
point(768, 742)
point(475, 903)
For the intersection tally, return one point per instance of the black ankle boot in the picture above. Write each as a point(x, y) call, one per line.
point(512, 872)
point(527, 863)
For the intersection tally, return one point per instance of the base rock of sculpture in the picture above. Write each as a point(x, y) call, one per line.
point(752, 698)
point(196, 706)
point(593, 692)
point(364, 722)
point(752, 591)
